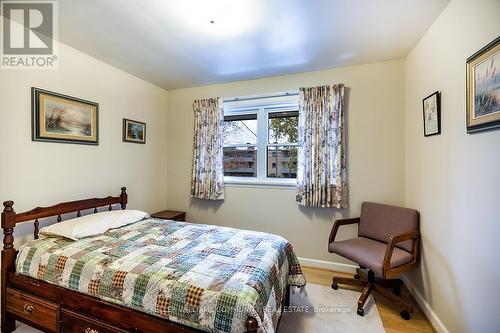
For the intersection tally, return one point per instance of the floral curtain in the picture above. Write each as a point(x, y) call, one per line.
point(321, 166)
point(207, 179)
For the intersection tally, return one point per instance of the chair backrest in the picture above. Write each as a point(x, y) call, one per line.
point(380, 222)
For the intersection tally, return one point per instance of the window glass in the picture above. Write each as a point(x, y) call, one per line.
point(240, 161)
point(283, 127)
point(282, 162)
point(241, 129)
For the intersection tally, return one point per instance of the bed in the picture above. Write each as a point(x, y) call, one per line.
point(149, 276)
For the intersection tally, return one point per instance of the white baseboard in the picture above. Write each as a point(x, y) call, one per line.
point(426, 308)
point(334, 266)
point(348, 268)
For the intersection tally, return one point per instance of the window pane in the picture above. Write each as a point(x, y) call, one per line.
point(240, 129)
point(283, 127)
point(282, 162)
point(240, 162)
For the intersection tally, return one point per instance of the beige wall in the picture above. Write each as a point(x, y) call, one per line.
point(375, 156)
point(454, 178)
point(41, 173)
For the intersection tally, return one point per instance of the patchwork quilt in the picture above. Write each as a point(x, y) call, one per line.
point(207, 277)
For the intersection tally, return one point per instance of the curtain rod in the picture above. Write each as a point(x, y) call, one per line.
point(249, 98)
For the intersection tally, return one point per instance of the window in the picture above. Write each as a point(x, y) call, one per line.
point(260, 142)
point(282, 144)
point(240, 145)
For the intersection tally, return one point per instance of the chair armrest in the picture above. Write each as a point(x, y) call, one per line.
point(414, 234)
point(339, 223)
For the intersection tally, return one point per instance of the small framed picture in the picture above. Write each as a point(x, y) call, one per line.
point(432, 114)
point(483, 88)
point(61, 118)
point(134, 131)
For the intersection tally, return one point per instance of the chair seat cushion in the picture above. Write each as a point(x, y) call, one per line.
point(369, 253)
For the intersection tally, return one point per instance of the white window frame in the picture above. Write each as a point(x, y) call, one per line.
point(262, 108)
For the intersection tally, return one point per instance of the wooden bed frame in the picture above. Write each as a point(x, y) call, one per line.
point(55, 309)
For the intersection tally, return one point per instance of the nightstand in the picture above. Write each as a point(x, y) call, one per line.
point(170, 215)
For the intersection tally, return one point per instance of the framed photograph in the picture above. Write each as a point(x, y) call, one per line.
point(134, 131)
point(483, 88)
point(432, 114)
point(61, 118)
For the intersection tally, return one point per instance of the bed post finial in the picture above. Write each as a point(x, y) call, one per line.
point(251, 325)
point(8, 263)
point(8, 206)
point(124, 197)
point(8, 224)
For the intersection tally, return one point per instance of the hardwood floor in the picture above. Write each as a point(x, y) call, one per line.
point(389, 313)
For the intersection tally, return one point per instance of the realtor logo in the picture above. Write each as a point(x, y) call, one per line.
point(29, 33)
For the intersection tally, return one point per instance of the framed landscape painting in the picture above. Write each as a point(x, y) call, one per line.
point(61, 118)
point(483, 88)
point(134, 131)
point(432, 114)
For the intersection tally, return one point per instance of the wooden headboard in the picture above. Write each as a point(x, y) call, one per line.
point(10, 218)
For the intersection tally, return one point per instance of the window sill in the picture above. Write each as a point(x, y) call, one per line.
point(290, 184)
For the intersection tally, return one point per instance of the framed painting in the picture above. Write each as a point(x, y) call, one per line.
point(134, 131)
point(432, 114)
point(61, 118)
point(483, 88)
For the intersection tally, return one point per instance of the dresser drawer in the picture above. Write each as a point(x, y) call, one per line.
point(36, 311)
point(77, 323)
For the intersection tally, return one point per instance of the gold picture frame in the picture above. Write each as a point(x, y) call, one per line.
point(64, 119)
point(483, 88)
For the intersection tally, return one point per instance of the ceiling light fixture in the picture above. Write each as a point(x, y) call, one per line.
point(233, 17)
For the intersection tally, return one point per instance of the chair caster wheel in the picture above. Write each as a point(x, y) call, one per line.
point(405, 315)
point(396, 291)
point(357, 277)
point(335, 286)
point(361, 312)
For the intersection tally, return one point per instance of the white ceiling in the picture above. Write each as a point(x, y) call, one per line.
point(172, 43)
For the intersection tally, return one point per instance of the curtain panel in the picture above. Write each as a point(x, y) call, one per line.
point(321, 165)
point(207, 178)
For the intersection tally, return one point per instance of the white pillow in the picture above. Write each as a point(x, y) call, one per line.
point(93, 224)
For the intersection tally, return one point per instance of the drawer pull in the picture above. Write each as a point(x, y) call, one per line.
point(91, 330)
point(29, 308)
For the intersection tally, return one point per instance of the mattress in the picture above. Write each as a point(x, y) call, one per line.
point(207, 277)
